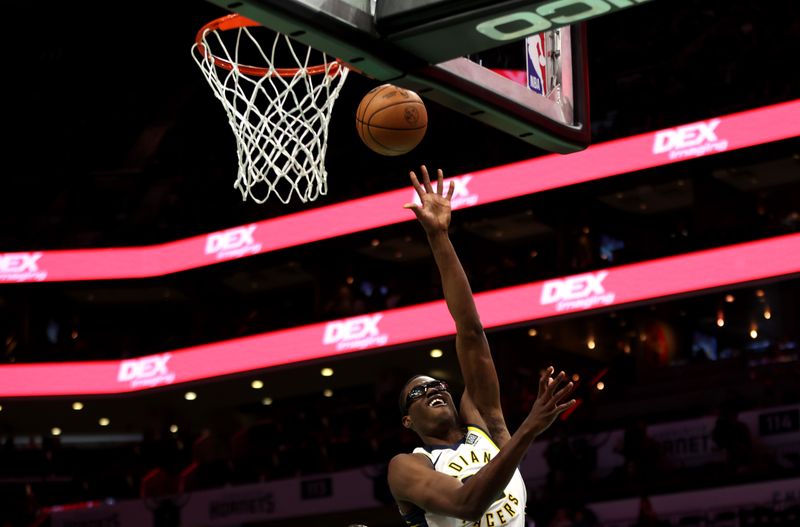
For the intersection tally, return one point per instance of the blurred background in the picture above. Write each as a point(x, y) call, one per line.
point(114, 140)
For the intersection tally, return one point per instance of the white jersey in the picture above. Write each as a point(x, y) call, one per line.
point(462, 460)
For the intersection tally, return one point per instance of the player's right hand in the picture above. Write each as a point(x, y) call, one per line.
point(434, 211)
point(553, 399)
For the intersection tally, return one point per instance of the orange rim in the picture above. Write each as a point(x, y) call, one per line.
point(236, 21)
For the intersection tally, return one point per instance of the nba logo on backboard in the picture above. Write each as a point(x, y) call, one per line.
point(536, 63)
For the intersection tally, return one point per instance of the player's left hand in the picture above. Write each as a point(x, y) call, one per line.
point(434, 213)
point(553, 400)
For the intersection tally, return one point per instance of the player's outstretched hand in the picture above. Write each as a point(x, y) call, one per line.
point(553, 399)
point(434, 211)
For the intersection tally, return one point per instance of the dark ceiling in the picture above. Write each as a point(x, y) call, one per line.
point(113, 137)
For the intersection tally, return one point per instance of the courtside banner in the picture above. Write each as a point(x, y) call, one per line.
point(703, 138)
point(773, 257)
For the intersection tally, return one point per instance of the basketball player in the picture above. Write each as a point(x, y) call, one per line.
point(466, 473)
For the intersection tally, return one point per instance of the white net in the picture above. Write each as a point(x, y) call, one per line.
point(280, 121)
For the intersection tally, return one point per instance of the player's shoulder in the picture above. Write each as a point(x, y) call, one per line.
point(404, 473)
point(404, 469)
point(406, 461)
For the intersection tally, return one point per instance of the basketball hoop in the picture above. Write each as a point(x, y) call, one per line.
point(279, 116)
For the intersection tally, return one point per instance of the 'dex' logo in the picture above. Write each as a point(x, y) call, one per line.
point(21, 267)
point(147, 371)
point(577, 292)
point(355, 333)
point(691, 140)
point(233, 243)
point(462, 197)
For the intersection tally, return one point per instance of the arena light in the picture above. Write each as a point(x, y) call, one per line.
point(104, 421)
point(77, 406)
point(690, 141)
point(615, 286)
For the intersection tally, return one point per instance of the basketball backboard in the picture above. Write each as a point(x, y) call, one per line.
point(429, 46)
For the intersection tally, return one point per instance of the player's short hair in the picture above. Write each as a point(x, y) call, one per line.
point(401, 401)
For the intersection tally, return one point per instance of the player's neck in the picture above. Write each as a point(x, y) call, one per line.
point(446, 436)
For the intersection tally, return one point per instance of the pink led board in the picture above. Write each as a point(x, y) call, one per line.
point(773, 257)
point(703, 138)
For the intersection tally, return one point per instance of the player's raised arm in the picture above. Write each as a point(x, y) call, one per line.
point(477, 366)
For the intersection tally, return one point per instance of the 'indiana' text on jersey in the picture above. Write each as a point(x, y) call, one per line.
point(463, 460)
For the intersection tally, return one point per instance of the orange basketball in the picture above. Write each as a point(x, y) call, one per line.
point(391, 120)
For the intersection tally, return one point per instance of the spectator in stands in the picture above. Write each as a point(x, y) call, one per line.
point(642, 457)
point(584, 465)
point(647, 515)
point(562, 518)
point(560, 464)
point(733, 437)
point(346, 303)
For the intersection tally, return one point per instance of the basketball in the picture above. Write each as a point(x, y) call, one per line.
point(390, 120)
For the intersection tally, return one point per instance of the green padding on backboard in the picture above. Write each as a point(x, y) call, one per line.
point(415, 35)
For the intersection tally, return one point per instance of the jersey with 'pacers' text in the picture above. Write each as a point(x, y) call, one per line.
point(462, 460)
